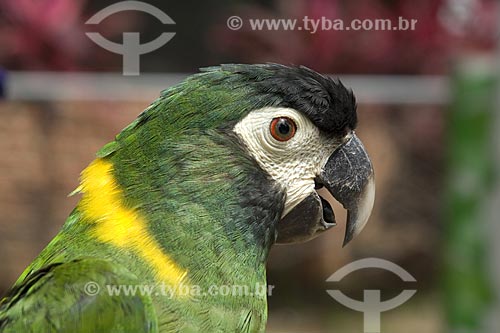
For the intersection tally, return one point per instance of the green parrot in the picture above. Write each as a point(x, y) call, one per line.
point(187, 201)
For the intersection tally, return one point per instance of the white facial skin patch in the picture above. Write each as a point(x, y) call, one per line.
point(294, 163)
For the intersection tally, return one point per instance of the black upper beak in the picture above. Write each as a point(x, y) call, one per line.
point(348, 175)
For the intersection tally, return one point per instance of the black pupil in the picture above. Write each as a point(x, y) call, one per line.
point(283, 127)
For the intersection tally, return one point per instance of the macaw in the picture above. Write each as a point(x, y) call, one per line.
point(191, 196)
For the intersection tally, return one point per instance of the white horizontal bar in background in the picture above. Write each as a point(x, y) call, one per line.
point(64, 86)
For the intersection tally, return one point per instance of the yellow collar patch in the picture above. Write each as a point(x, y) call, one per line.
point(122, 226)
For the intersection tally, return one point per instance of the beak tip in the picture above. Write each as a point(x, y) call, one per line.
point(347, 240)
point(358, 217)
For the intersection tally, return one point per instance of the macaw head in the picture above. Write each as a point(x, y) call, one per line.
point(306, 141)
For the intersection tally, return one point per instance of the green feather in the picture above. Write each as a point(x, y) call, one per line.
point(53, 300)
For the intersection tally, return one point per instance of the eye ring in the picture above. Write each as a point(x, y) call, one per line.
point(282, 128)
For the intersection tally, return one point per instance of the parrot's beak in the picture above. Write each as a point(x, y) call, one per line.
point(348, 176)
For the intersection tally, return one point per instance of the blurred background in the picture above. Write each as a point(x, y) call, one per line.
point(429, 117)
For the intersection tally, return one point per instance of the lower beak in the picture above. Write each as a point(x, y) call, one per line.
point(348, 175)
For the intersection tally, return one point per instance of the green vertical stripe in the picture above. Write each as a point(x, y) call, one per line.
point(468, 291)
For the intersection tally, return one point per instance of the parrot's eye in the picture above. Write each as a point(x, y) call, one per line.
point(283, 128)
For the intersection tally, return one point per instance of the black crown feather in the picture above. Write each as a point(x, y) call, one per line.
point(327, 102)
